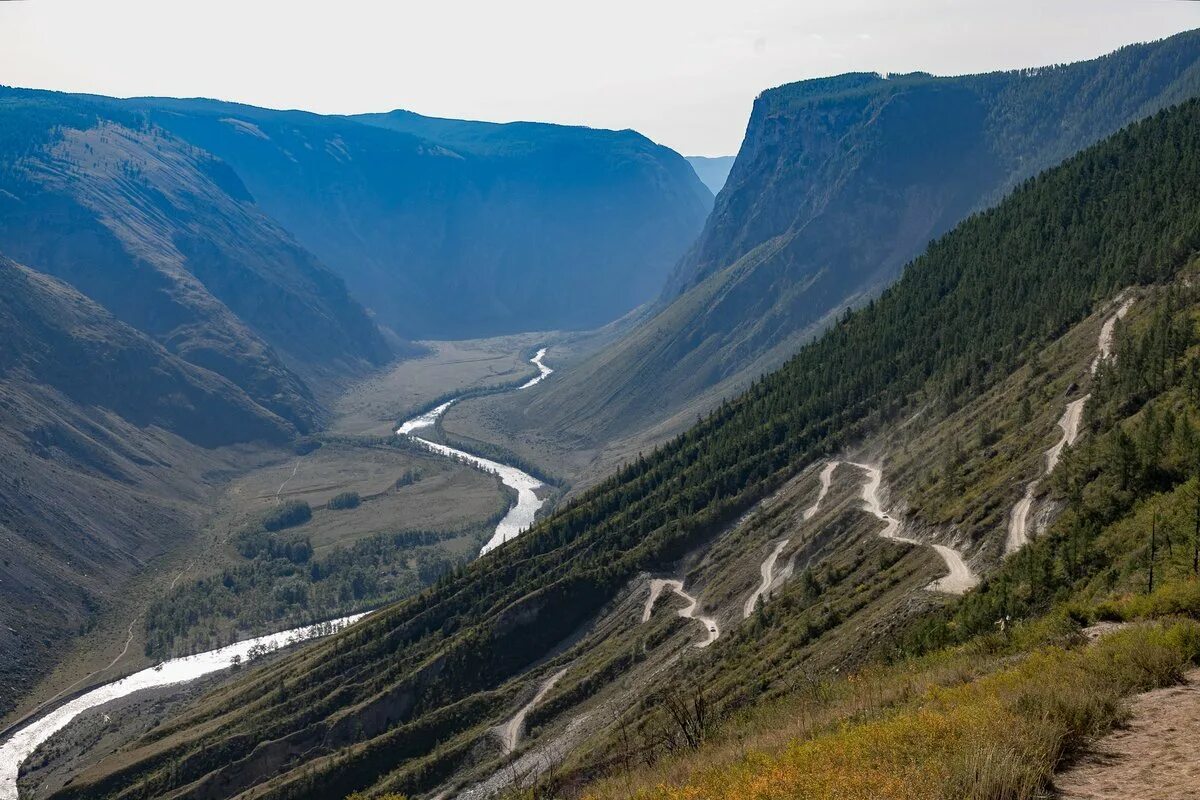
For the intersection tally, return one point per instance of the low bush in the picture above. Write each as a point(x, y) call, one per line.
point(998, 736)
point(287, 515)
point(344, 500)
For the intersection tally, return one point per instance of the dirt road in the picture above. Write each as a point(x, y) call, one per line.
point(510, 732)
point(960, 577)
point(689, 612)
point(1153, 758)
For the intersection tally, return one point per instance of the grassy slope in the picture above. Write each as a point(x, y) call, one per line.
point(963, 720)
point(107, 444)
point(960, 723)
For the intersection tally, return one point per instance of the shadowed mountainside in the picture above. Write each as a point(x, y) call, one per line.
point(167, 238)
point(455, 229)
point(105, 437)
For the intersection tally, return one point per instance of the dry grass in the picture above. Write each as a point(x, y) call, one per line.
point(967, 723)
point(1176, 598)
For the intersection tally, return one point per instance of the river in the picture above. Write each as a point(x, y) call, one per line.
point(26, 740)
point(178, 670)
point(520, 516)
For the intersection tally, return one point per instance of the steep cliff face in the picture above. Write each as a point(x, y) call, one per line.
point(839, 183)
point(447, 228)
point(167, 238)
point(865, 169)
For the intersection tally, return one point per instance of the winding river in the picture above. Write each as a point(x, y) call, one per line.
point(520, 516)
point(179, 670)
point(20, 745)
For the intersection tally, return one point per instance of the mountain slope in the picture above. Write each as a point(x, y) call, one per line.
point(712, 171)
point(1101, 581)
point(104, 438)
point(406, 698)
point(166, 237)
point(452, 229)
point(838, 183)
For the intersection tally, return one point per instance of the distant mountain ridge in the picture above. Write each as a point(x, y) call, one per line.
point(713, 171)
point(838, 183)
point(452, 228)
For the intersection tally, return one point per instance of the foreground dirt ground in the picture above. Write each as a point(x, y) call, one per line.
point(1154, 757)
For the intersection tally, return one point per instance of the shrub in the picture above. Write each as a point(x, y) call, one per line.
point(1001, 735)
point(287, 515)
point(344, 500)
point(1175, 598)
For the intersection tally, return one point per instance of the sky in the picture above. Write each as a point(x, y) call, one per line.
point(683, 72)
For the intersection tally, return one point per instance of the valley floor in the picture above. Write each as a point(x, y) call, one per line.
point(354, 457)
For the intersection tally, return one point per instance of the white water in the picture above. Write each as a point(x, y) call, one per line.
point(180, 670)
point(21, 744)
point(520, 517)
point(689, 612)
point(1018, 519)
point(543, 370)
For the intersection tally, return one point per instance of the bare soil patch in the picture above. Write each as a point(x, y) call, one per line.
point(1154, 757)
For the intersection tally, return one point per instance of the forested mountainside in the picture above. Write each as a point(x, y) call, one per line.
point(104, 435)
point(1037, 664)
point(166, 237)
point(406, 700)
point(838, 183)
point(454, 229)
point(712, 171)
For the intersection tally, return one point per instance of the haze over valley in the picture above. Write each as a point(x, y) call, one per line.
point(366, 453)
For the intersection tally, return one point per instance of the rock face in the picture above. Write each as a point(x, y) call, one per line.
point(450, 229)
point(840, 182)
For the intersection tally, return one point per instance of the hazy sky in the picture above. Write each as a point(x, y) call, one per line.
point(684, 72)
